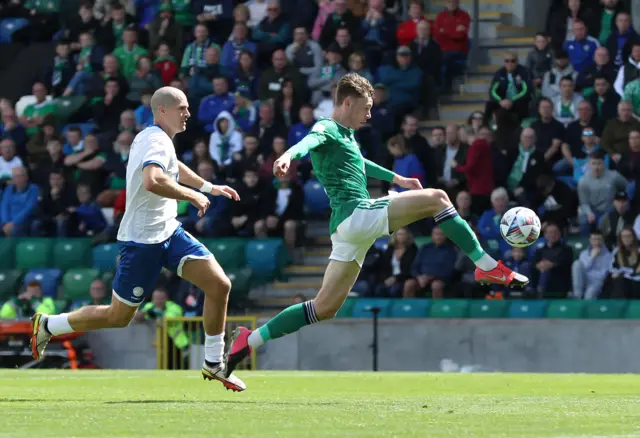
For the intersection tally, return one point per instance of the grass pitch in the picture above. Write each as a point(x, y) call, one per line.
point(317, 404)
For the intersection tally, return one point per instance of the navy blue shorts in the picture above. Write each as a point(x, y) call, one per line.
point(140, 264)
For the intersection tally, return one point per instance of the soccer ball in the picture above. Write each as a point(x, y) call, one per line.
point(520, 227)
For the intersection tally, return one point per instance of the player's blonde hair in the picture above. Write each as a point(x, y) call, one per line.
point(352, 85)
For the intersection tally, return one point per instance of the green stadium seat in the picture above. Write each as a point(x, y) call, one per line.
point(527, 309)
point(34, 253)
point(633, 310)
point(422, 241)
point(72, 253)
point(565, 309)
point(346, 311)
point(8, 253)
point(577, 244)
point(266, 257)
point(449, 309)
point(105, 256)
point(488, 308)
point(410, 308)
point(606, 309)
point(61, 305)
point(10, 281)
point(240, 284)
point(363, 306)
point(77, 282)
point(67, 106)
point(229, 252)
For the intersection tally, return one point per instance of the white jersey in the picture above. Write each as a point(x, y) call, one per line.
point(149, 218)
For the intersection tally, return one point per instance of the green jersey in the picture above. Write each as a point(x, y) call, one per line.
point(39, 110)
point(339, 166)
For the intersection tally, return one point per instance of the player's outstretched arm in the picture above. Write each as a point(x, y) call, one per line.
point(378, 172)
point(189, 178)
point(313, 140)
point(156, 181)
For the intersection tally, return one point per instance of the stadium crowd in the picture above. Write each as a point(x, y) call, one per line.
point(560, 132)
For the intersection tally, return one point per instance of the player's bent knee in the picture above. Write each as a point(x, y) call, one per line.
point(118, 319)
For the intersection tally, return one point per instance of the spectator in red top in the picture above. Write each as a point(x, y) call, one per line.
point(478, 170)
point(451, 31)
point(407, 31)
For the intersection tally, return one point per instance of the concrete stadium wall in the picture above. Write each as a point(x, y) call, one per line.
point(559, 346)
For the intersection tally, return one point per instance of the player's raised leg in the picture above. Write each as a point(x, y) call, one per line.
point(413, 205)
point(207, 275)
point(338, 280)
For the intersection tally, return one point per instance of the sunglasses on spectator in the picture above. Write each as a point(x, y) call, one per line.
point(587, 133)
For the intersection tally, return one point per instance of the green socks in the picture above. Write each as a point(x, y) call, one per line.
point(460, 233)
point(290, 320)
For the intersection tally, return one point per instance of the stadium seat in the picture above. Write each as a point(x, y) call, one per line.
point(266, 257)
point(422, 241)
point(410, 308)
point(34, 253)
point(577, 244)
point(9, 283)
point(488, 308)
point(381, 243)
point(363, 306)
point(527, 309)
point(565, 309)
point(77, 282)
point(61, 305)
point(449, 309)
point(105, 256)
point(633, 310)
point(346, 311)
point(316, 200)
point(8, 253)
point(240, 285)
point(606, 309)
point(48, 279)
point(72, 253)
point(9, 26)
point(229, 252)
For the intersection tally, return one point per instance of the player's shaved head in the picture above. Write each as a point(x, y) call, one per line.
point(166, 97)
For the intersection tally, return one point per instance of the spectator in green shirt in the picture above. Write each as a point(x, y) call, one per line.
point(34, 114)
point(129, 52)
point(43, 21)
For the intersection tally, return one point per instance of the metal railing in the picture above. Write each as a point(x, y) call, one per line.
point(192, 356)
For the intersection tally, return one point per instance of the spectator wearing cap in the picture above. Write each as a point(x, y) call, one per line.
point(341, 17)
point(407, 30)
point(214, 104)
point(596, 191)
point(272, 33)
point(619, 217)
point(549, 132)
point(111, 33)
point(630, 71)
point(540, 59)
point(402, 80)
point(590, 271)
point(621, 39)
point(581, 48)
point(561, 69)
point(615, 138)
point(19, 203)
point(202, 77)
point(271, 79)
point(579, 160)
point(129, 52)
point(510, 89)
point(451, 32)
point(565, 105)
point(244, 112)
point(194, 53)
point(238, 43)
point(378, 30)
point(601, 67)
point(303, 53)
point(320, 79)
point(166, 29)
point(604, 99)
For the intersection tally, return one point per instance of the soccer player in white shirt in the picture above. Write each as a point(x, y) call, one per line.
point(151, 238)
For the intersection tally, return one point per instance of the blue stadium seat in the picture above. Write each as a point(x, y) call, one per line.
point(316, 200)
point(381, 243)
point(266, 257)
point(410, 308)
point(48, 278)
point(347, 308)
point(104, 256)
point(528, 309)
point(363, 306)
point(9, 26)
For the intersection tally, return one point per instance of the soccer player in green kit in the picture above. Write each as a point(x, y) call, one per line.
point(356, 220)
